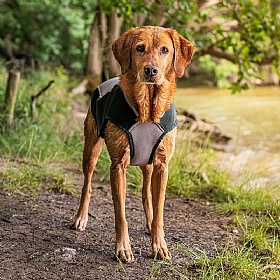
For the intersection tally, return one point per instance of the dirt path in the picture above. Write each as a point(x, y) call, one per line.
point(36, 242)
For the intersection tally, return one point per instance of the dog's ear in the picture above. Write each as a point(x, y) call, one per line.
point(122, 50)
point(183, 52)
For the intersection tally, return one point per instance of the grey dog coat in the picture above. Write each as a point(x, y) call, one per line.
point(108, 103)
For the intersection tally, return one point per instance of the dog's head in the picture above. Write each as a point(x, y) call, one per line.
point(152, 54)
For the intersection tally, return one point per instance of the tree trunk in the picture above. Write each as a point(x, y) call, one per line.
point(11, 94)
point(114, 26)
point(100, 62)
point(93, 70)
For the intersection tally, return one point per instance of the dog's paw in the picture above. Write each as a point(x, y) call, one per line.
point(162, 254)
point(124, 254)
point(80, 223)
point(160, 251)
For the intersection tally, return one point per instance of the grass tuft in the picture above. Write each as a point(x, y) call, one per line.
point(230, 263)
point(32, 178)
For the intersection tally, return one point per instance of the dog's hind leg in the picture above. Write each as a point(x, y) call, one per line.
point(92, 148)
point(146, 194)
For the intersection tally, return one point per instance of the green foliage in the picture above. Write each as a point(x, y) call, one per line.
point(253, 41)
point(177, 15)
point(222, 71)
point(48, 136)
point(56, 32)
point(125, 9)
point(47, 31)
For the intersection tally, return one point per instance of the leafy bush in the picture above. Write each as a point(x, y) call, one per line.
point(47, 31)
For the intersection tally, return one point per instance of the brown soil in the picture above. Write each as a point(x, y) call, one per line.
point(36, 241)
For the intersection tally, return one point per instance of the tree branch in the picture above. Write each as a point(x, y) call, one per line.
point(34, 97)
point(230, 57)
point(218, 53)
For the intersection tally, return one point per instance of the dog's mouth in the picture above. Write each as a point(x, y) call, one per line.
point(153, 81)
point(150, 80)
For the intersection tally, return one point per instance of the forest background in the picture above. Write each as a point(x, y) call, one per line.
point(77, 35)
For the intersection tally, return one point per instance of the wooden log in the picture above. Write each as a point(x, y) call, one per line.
point(11, 95)
point(208, 133)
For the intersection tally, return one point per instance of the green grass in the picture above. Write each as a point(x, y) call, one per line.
point(230, 263)
point(30, 178)
point(192, 173)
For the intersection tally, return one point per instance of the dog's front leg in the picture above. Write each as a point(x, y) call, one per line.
point(118, 185)
point(119, 150)
point(159, 181)
point(162, 157)
point(92, 148)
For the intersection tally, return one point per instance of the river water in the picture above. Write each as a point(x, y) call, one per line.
point(252, 119)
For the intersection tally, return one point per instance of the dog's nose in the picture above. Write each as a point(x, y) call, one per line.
point(150, 70)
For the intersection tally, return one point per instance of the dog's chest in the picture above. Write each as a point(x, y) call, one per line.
point(109, 104)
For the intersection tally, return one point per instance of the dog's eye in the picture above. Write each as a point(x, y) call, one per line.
point(140, 48)
point(164, 50)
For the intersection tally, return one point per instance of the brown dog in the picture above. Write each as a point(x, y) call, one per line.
point(150, 58)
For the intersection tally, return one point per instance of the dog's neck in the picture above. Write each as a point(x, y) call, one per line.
point(149, 100)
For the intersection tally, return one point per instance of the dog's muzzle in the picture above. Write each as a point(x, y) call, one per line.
point(151, 71)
